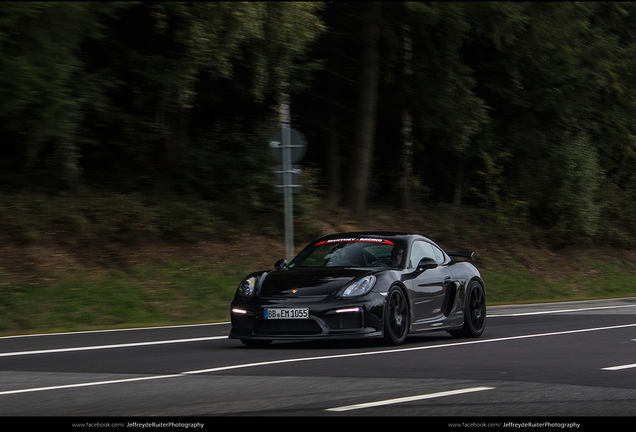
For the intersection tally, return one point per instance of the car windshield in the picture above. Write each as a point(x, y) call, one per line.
point(352, 253)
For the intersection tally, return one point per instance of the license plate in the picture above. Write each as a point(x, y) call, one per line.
point(296, 313)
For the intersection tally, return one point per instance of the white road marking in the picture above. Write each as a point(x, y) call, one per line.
point(327, 357)
point(111, 330)
point(87, 384)
point(615, 368)
point(398, 350)
point(557, 311)
point(408, 399)
point(98, 347)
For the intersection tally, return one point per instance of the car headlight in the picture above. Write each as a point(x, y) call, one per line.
point(247, 287)
point(359, 287)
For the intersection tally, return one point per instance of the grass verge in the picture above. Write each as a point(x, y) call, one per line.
point(142, 295)
point(513, 282)
point(104, 262)
point(179, 292)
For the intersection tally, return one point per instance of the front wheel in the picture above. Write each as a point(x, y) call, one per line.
point(396, 317)
point(474, 312)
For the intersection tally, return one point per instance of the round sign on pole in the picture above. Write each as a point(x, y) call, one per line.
point(298, 146)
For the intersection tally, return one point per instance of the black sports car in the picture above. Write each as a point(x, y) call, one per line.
point(362, 285)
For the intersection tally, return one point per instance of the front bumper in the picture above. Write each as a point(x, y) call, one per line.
point(328, 319)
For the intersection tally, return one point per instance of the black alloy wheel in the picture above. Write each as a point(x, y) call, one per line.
point(396, 317)
point(474, 312)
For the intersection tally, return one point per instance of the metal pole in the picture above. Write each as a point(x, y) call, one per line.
point(287, 179)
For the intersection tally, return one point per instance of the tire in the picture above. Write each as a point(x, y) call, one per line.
point(474, 312)
point(396, 317)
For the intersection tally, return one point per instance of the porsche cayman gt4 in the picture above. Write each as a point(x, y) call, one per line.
point(362, 285)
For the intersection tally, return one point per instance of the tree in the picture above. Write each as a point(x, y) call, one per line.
point(109, 90)
point(406, 129)
point(555, 77)
point(212, 40)
point(447, 112)
point(364, 133)
point(41, 87)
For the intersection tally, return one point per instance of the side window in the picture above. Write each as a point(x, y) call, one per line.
point(422, 249)
point(439, 255)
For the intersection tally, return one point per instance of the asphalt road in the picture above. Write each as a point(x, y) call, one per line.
point(543, 362)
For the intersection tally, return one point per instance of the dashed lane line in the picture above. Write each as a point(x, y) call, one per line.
point(408, 399)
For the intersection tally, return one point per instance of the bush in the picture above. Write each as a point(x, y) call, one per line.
point(569, 210)
point(188, 222)
point(120, 218)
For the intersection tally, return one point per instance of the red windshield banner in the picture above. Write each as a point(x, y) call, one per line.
point(348, 240)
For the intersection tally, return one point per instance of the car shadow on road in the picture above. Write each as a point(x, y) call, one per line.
point(352, 344)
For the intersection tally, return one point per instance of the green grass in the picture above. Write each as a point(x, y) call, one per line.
point(175, 293)
point(36, 297)
point(179, 292)
point(594, 279)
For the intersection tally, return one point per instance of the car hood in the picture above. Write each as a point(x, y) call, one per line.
point(309, 282)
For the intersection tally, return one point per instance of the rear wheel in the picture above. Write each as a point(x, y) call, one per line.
point(396, 317)
point(474, 312)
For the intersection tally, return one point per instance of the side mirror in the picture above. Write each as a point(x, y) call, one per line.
point(281, 264)
point(425, 264)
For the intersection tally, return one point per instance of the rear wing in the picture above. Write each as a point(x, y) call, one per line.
point(461, 254)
